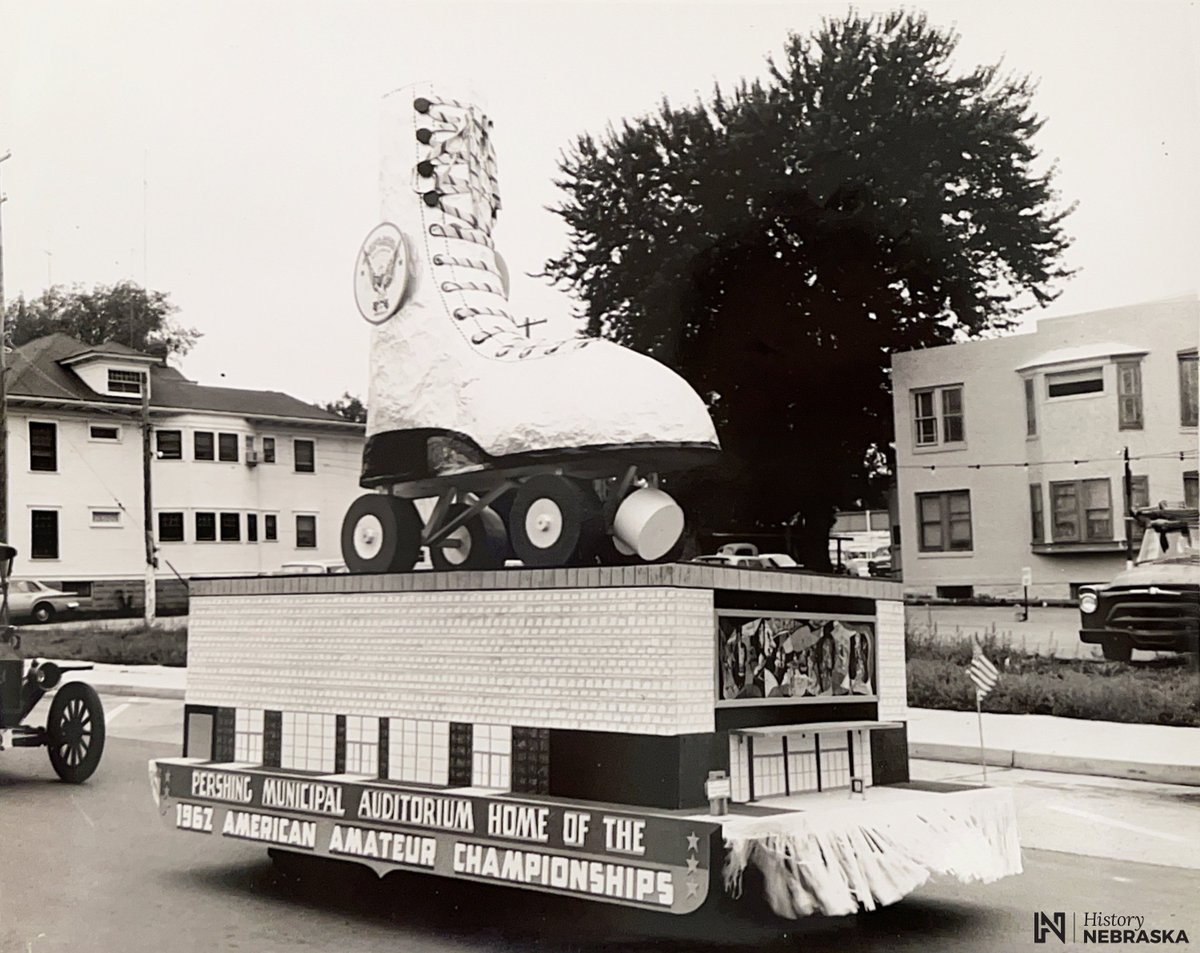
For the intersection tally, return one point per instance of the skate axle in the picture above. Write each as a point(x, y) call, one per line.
point(434, 532)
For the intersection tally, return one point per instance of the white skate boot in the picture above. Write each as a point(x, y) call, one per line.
point(569, 435)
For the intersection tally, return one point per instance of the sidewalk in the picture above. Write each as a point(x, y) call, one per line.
point(1035, 742)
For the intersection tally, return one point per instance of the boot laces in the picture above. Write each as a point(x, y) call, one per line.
point(460, 160)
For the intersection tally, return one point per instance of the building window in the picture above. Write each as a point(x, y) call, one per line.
point(268, 454)
point(170, 527)
point(927, 404)
point(1187, 389)
point(248, 736)
point(309, 742)
point(206, 527)
point(1129, 395)
point(1139, 491)
point(110, 434)
point(231, 527)
point(106, 517)
point(43, 447)
point(252, 527)
point(44, 533)
point(945, 521)
point(1036, 513)
point(202, 445)
point(270, 527)
point(418, 751)
point(305, 456)
point(125, 382)
point(1030, 409)
point(1090, 380)
point(169, 444)
point(362, 748)
point(1191, 489)
point(491, 756)
point(1082, 511)
point(306, 532)
point(227, 451)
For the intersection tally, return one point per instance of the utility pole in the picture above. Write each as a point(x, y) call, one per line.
point(147, 511)
point(3, 387)
point(1128, 486)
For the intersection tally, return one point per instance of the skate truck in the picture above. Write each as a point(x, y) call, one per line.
point(549, 450)
point(668, 737)
point(74, 729)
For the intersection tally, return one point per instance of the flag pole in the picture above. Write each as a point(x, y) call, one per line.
point(979, 715)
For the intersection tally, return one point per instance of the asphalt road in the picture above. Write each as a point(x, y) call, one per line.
point(92, 868)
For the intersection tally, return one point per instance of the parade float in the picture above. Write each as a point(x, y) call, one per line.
point(587, 718)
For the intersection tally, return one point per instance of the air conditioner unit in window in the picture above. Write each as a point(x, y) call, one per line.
point(251, 458)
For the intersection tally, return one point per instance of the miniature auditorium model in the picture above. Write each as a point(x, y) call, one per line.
point(466, 407)
point(669, 737)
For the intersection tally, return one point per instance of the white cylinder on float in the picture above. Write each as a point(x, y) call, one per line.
point(649, 523)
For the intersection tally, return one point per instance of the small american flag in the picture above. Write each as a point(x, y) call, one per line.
point(983, 673)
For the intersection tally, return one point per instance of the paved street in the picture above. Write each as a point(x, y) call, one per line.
point(93, 869)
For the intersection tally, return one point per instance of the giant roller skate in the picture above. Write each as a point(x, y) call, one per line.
point(566, 438)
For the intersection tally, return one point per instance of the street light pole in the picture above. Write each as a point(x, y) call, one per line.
point(3, 386)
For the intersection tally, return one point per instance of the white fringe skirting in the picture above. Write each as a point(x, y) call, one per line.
point(839, 857)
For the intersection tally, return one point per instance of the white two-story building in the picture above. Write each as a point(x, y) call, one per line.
point(240, 481)
point(1011, 452)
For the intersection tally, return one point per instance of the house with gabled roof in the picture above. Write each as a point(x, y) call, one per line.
point(241, 481)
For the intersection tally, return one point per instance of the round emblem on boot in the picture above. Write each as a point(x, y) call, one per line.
point(381, 273)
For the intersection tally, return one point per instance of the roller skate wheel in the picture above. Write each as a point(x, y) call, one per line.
point(648, 522)
point(544, 523)
point(368, 536)
point(459, 550)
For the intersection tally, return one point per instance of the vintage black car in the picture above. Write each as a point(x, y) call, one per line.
point(1154, 605)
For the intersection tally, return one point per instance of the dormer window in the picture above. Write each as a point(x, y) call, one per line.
point(125, 382)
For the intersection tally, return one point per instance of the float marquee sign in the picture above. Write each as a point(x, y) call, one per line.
point(789, 657)
point(647, 861)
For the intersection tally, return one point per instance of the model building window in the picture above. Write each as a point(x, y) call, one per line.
point(491, 756)
point(231, 527)
point(169, 444)
point(252, 527)
point(938, 416)
point(125, 382)
point(44, 533)
point(202, 445)
point(1081, 511)
point(306, 532)
point(945, 521)
point(362, 746)
point(309, 742)
point(1036, 514)
point(170, 527)
point(248, 736)
point(227, 450)
point(206, 527)
point(1129, 395)
point(418, 750)
point(305, 456)
point(98, 432)
point(1187, 389)
point(268, 454)
point(270, 527)
point(43, 447)
point(1090, 380)
point(1030, 409)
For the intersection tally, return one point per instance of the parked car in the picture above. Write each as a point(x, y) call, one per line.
point(1156, 604)
point(747, 556)
point(34, 601)
point(313, 567)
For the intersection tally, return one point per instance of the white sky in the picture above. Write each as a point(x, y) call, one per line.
point(226, 152)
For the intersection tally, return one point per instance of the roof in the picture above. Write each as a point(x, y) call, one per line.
point(1086, 352)
point(39, 370)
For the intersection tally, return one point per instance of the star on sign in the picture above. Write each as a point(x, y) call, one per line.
point(693, 841)
point(692, 889)
point(692, 863)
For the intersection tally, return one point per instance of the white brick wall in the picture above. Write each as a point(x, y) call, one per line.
point(890, 669)
point(631, 659)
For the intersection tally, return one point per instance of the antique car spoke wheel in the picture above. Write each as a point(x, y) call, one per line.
point(75, 732)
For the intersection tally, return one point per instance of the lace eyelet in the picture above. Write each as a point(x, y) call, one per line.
point(424, 136)
point(432, 198)
point(425, 169)
point(421, 104)
point(461, 314)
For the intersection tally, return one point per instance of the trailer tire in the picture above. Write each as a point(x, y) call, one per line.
point(75, 732)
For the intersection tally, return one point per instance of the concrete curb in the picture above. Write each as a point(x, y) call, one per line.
point(1034, 761)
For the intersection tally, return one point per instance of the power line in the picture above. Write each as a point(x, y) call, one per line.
point(1159, 455)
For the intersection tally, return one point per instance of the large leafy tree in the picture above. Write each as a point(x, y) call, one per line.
point(348, 406)
point(125, 313)
point(776, 243)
